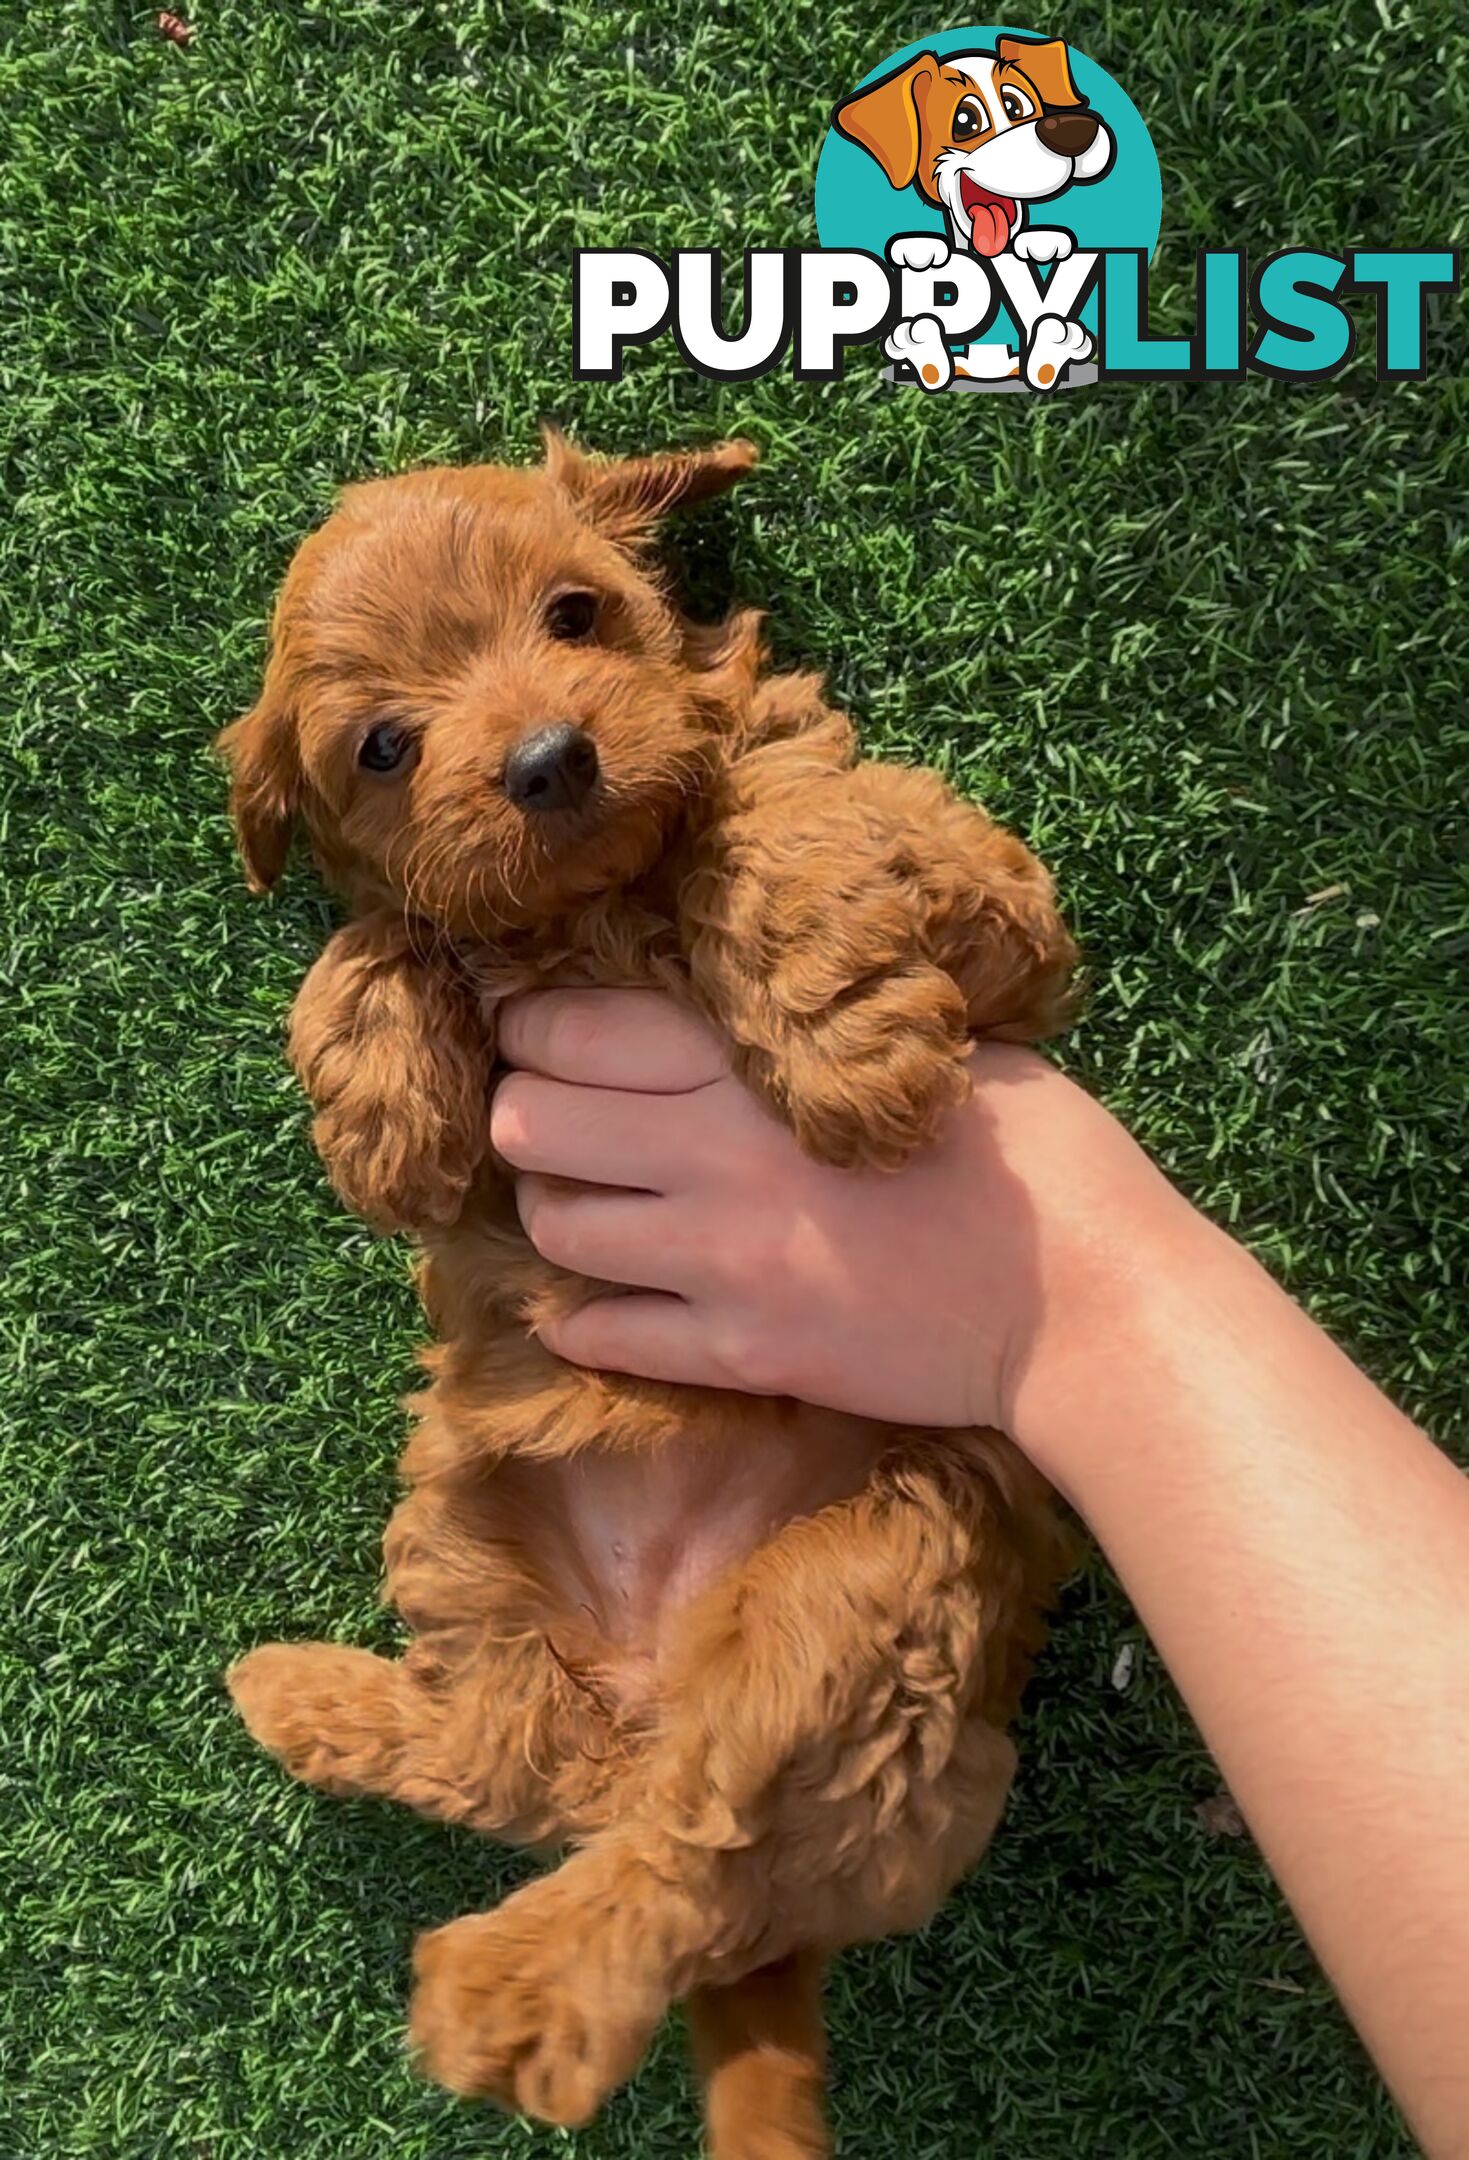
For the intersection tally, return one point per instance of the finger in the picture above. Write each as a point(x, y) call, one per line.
point(654, 1337)
point(619, 1237)
point(594, 1135)
point(636, 1039)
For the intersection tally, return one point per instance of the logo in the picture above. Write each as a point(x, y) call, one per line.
point(988, 203)
point(969, 164)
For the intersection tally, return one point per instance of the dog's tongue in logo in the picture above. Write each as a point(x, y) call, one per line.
point(991, 217)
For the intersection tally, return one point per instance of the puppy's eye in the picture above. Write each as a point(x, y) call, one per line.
point(386, 748)
point(969, 120)
point(1017, 105)
point(571, 616)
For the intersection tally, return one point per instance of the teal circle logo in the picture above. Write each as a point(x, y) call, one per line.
point(990, 166)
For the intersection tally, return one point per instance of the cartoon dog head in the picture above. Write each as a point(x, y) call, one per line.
point(981, 134)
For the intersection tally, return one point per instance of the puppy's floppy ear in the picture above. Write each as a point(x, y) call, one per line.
point(731, 651)
point(625, 497)
point(1047, 64)
point(885, 118)
point(261, 749)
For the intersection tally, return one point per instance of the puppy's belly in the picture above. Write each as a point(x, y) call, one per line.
point(639, 1536)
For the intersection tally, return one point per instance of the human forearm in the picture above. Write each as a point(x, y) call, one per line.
point(1299, 1552)
point(1300, 1555)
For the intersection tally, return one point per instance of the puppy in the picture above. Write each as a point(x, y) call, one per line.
point(983, 136)
point(752, 1662)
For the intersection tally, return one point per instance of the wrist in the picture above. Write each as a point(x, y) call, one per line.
point(1125, 1321)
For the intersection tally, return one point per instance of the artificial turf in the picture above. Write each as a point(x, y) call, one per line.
point(1205, 645)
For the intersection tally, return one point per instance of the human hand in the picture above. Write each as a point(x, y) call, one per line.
point(1295, 1549)
point(930, 1295)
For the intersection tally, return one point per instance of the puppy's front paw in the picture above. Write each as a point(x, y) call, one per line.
point(1054, 346)
point(500, 2011)
point(920, 344)
point(869, 1082)
point(918, 251)
point(394, 1178)
point(1043, 245)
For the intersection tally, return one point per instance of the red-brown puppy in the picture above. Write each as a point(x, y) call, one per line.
point(752, 1662)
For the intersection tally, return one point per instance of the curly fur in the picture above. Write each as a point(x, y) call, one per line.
point(751, 1661)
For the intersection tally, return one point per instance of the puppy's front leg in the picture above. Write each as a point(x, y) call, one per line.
point(390, 1047)
point(852, 931)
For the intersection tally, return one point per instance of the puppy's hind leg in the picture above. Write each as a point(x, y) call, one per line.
point(760, 2049)
point(334, 1717)
point(479, 1746)
point(549, 2002)
point(826, 1766)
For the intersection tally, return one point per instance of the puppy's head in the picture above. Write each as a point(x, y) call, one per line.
point(982, 133)
point(479, 700)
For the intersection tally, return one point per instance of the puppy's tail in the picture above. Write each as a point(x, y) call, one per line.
point(760, 2048)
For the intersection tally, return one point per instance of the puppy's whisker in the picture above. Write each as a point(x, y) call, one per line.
point(439, 851)
point(420, 871)
point(481, 895)
point(402, 880)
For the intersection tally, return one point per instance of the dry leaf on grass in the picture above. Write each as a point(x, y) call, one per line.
point(1219, 1816)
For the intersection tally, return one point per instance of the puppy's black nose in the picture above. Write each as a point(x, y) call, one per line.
point(1067, 133)
point(554, 769)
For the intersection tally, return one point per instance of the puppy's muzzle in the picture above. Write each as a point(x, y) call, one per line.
point(1067, 133)
point(554, 769)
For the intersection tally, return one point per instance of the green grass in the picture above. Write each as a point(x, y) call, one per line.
point(1205, 645)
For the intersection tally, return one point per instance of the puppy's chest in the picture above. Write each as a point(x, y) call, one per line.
point(614, 943)
point(632, 1540)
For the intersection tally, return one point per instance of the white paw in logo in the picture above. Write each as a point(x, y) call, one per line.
point(919, 251)
point(1042, 245)
point(1054, 345)
point(921, 344)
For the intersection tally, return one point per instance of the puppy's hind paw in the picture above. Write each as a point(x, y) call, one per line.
point(920, 345)
point(331, 1716)
point(1054, 346)
point(502, 2012)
